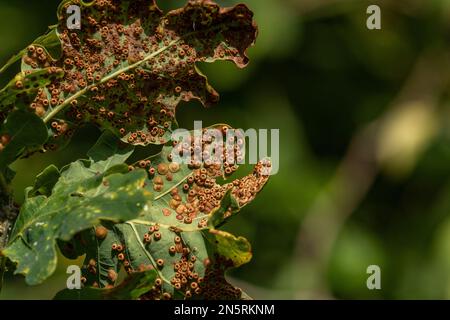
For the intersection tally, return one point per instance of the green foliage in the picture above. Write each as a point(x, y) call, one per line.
point(45, 181)
point(85, 193)
point(26, 84)
point(131, 288)
point(175, 228)
point(22, 130)
point(126, 71)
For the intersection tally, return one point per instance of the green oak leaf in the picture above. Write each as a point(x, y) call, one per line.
point(204, 255)
point(109, 152)
point(50, 41)
point(81, 198)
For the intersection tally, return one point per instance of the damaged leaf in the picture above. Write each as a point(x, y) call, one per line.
point(130, 65)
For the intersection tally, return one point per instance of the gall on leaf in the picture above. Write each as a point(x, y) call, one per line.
point(130, 65)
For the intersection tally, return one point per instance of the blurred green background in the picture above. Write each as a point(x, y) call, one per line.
point(364, 146)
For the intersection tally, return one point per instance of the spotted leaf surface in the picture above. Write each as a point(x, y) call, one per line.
point(50, 41)
point(22, 131)
point(175, 233)
point(81, 198)
point(186, 263)
point(131, 64)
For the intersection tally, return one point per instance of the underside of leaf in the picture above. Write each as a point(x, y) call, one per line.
point(175, 233)
point(126, 70)
point(130, 65)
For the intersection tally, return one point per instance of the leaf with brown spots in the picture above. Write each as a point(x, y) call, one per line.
point(175, 233)
point(22, 131)
point(130, 65)
point(126, 71)
point(201, 190)
point(131, 288)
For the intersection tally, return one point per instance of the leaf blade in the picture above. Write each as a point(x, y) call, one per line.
point(71, 208)
point(24, 130)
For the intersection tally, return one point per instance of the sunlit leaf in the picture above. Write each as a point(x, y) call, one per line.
point(173, 234)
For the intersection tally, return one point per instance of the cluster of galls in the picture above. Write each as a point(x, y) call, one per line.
point(203, 194)
point(118, 250)
point(202, 150)
point(200, 194)
point(36, 57)
point(185, 279)
point(238, 29)
point(166, 170)
point(153, 234)
point(246, 189)
point(91, 268)
point(61, 130)
point(46, 97)
point(28, 82)
point(156, 292)
point(139, 103)
point(214, 284)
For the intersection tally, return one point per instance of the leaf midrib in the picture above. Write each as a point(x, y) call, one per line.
point(39, 217)
point(115, 74)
